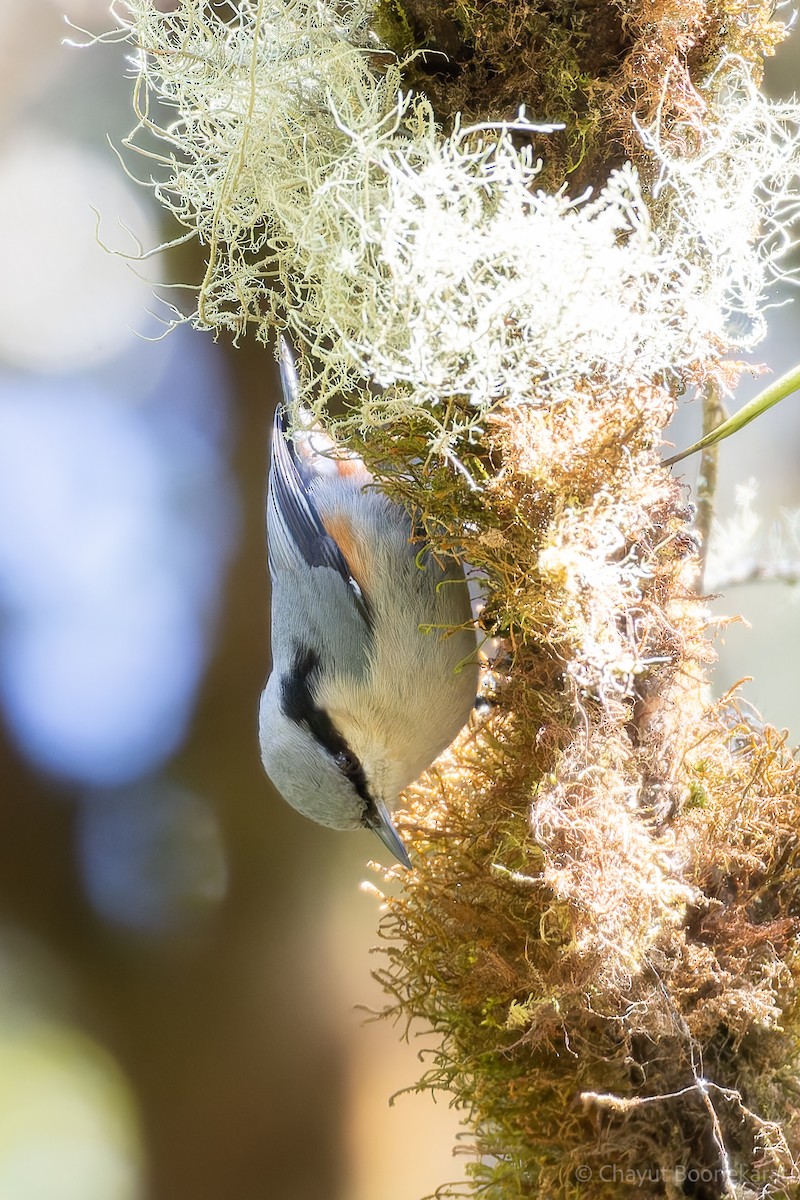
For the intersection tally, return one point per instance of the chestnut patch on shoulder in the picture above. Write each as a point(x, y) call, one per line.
point(340, 528)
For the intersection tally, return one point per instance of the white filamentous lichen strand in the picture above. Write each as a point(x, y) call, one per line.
point(732, 204)
point(430, 265)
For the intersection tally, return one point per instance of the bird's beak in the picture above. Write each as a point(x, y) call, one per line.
point(382, 825)
point(290, 384)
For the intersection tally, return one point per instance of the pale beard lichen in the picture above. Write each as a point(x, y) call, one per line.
point(431, 265)
point(602, 924)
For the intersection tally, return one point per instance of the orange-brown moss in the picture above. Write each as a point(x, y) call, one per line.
point(603, 919)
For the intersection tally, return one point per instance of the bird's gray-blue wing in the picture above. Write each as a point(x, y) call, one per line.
point(296, 533)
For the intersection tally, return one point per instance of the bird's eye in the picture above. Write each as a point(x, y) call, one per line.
point(350, 766)
point(346, 763)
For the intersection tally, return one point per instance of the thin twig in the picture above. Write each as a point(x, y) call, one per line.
point(752, 571)
point(714, 414)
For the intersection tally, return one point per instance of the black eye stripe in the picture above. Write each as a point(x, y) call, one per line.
point(299, 705)
point(297, 700)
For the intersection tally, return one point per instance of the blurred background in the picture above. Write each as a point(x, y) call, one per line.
point(181, 956)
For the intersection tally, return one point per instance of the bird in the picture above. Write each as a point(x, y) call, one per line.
point(374, 653)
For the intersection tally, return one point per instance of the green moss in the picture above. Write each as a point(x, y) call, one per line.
point(505, 941)
point(393, 28)
point(698, 796)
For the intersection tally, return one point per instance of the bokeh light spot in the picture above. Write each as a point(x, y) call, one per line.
point(151, 856)
point(66, 302)
point(119, 518)
point(68, 1124)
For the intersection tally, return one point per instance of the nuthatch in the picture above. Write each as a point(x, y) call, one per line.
point(374, 659)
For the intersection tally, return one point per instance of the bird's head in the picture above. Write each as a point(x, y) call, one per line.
point(335, 782)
